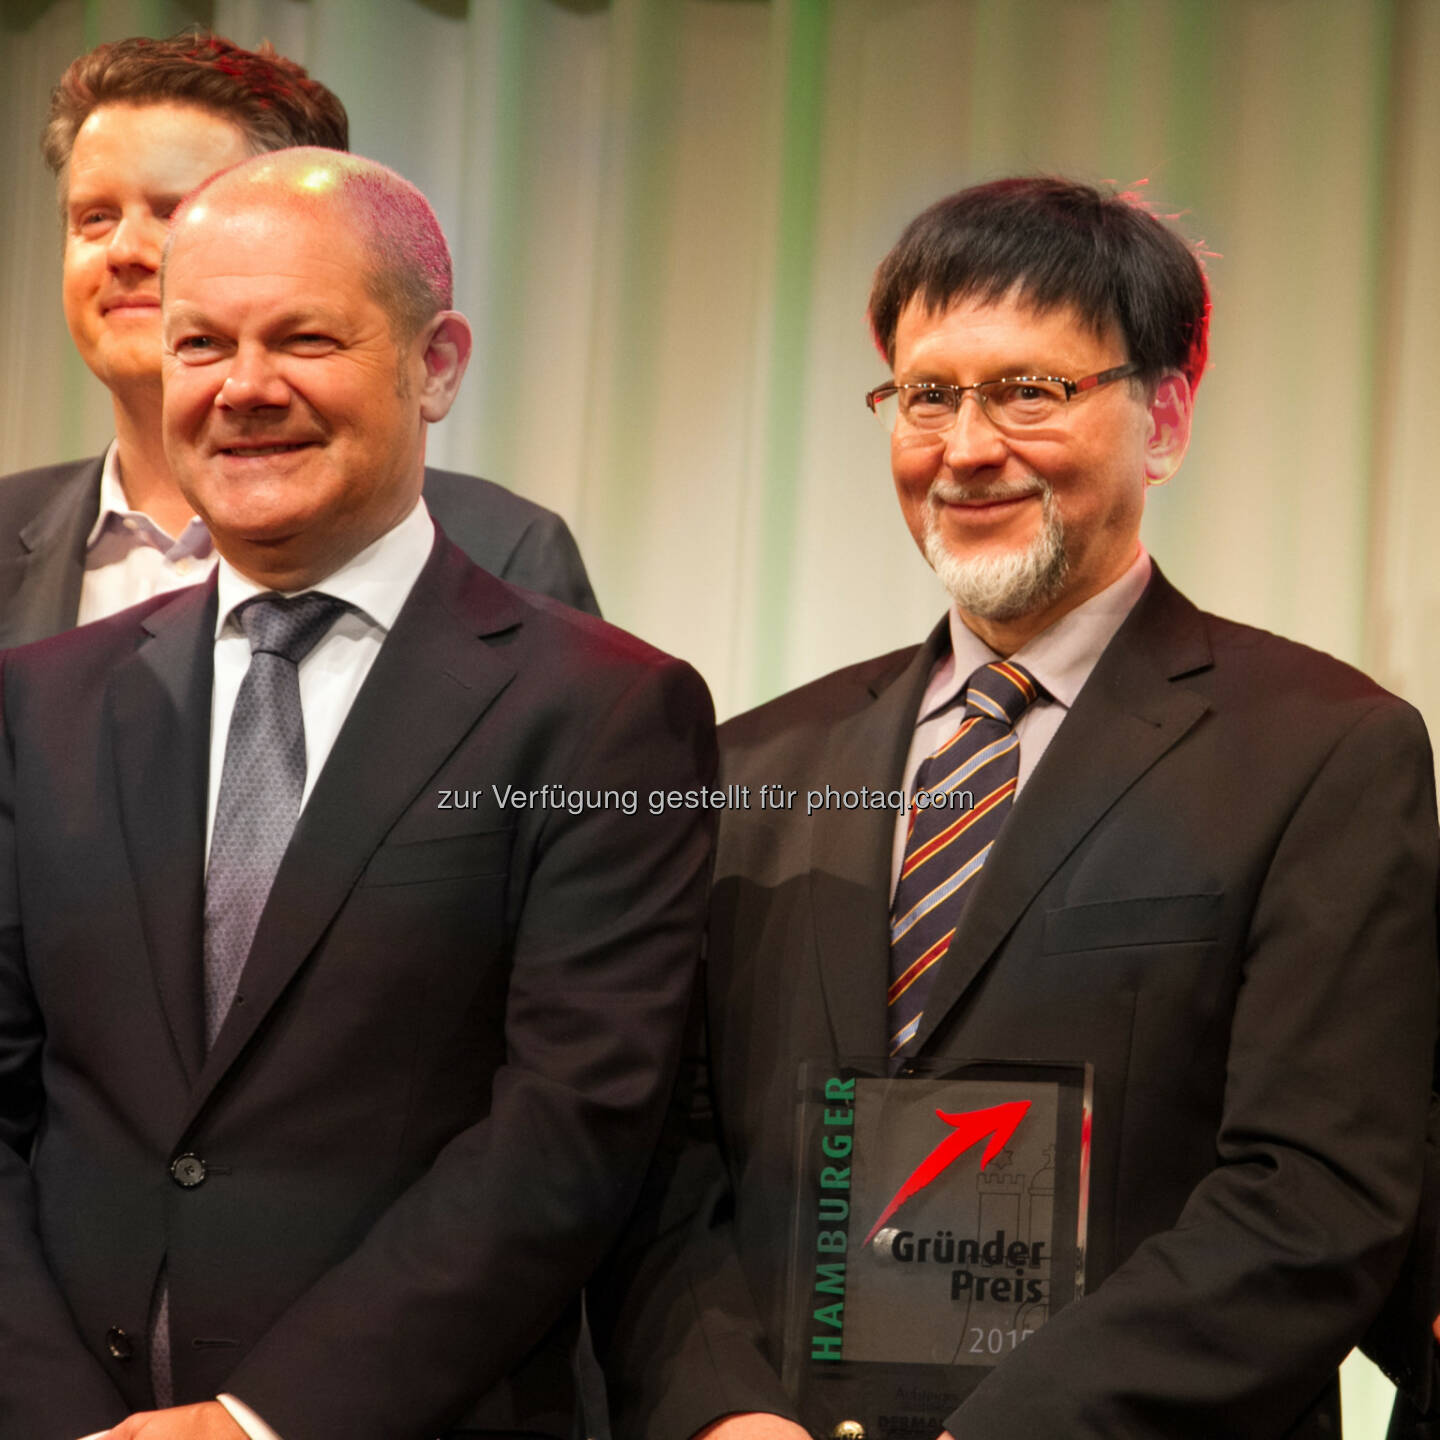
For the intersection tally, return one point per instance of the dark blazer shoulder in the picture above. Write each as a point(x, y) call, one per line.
point(820, 703)
point(479, 515)
point(45, 515)
point(510, 536)
point(491, 603)
point(1261, 654)
point(568, 664)
point(1236, 668)
point(61, 668)
point(1294, 690)
point(25, 494)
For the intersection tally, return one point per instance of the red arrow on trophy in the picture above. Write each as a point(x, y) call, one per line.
point(968, 1129)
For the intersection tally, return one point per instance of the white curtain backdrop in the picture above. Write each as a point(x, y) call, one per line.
point(665, 214)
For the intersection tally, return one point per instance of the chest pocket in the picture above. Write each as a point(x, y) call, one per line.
point(1148, 920)
point(448, 857)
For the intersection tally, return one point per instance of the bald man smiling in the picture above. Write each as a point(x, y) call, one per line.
point(321, 1095)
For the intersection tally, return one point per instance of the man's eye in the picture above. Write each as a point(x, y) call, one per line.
point(1026, 399)
point(312, 342)
point(195, 347)
point(928, 403)
point(90, 221)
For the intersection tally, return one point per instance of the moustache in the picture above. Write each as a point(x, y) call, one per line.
point(951, 492)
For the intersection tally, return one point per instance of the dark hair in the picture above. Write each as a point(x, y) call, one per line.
point(271, 99)
point(1059, 243)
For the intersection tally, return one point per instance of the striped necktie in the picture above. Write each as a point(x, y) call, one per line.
point(969, 785)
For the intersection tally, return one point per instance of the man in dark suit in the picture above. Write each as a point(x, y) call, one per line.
point(133, 126)
point(314, 1127)
point(1209, 872)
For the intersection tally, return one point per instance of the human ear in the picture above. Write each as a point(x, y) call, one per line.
point(1169, 438)
point(447, 344)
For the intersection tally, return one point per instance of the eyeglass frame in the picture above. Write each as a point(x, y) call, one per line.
point(1072, 388)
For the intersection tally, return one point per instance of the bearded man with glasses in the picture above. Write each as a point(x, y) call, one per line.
point(1193, 856)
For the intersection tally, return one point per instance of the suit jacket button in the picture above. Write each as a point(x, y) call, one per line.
point(187, 1171)
point(118, 1343)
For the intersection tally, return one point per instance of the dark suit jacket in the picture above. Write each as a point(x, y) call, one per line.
point(46, 513)
point(437, 1090)
point(1218, 888)
point(1401, 1341)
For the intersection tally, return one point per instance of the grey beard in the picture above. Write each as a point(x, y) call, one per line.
point(1001, 587)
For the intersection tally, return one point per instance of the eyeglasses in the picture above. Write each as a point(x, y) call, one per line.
point(1016, 403)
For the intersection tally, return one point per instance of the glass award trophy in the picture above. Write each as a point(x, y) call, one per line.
point(939, 1223)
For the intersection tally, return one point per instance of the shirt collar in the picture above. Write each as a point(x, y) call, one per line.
point(115, 509)
point(1060, 657)
point(112, 493)
point(376, 582)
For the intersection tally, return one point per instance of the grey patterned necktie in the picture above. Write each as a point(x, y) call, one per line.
point(260, 785)
point(260, 788)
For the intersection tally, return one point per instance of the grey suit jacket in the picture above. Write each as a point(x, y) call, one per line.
point(1218, 888)
point(46, 513)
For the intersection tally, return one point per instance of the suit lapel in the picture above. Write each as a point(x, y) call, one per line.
point(1127, 715)
point(159, 701)
point(40, 587)
point(850, 848)
point(432, 680)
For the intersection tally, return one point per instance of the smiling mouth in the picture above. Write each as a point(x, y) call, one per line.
point(247, 452)
point(958, 498)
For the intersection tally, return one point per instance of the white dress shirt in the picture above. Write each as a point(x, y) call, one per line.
point(129, 558)
point(1060, 657)
point(376, 583)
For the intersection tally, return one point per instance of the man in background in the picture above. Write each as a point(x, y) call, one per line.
point(343, 959)
point(134, 126)
point(1197, 857)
